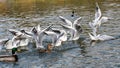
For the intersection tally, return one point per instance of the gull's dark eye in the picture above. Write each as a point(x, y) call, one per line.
point(96, 8)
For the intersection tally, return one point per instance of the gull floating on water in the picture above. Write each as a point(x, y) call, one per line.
point(73, 28)
point(100, 37)
point(15, 32)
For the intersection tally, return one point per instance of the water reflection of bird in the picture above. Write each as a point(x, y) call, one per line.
point(73, 28)
point(48, 49)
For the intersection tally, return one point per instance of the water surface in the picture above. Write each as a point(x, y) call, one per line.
point(24, 14)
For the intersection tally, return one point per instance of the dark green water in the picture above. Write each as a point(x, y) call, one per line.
point(24, 14)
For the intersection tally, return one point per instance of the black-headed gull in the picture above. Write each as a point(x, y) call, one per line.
point(98, 37)
point(99, 19)
point(19, 38)
point(73, 28)
point(38, 35)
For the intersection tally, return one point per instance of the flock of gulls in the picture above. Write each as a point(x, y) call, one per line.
point(22, 37)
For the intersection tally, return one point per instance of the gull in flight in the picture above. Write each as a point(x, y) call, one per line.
point(96, 23)
point(19, 38)
point(73, 28)
point(38, 35)
point(98, 18)
point(61, 33)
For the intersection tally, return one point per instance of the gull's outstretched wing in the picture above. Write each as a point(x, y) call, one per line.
point(3, 42)
point(29, 34)
point(98, 13)
point(66, 21)
point(56, 31)
point(105, 37)
point(92, 37)
point(38, 28)
point(77, 25)
point(48, 28)
point(77, 21)
point(14, 32)
point(71, 30)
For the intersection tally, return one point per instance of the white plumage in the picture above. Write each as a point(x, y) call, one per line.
point(73, 28)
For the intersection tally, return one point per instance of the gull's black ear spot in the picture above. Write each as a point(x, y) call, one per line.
point(23, 31)
point(34, 30)
point(96, 8)
point(78, 28)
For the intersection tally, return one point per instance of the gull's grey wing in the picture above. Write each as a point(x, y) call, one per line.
point(66, 21)
point(71, 30)
point(77, 25)
point(27, 33)
point(14, 32)
point(98, 12)
point(4, 41)
point(77, 21)
point(38, 28)
point(48, 28)
point(78, 28)
point(106, 37)
point(56, 31)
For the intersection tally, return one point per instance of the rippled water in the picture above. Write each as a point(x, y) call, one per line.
point(24, 14)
